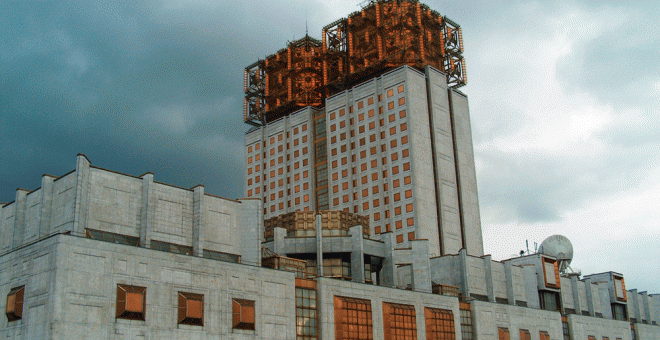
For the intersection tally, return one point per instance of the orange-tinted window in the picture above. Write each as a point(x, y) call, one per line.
point(390, 105)
point(408, 193)
point(390, 93)
point(404, 127)
point(397, 211)
point(411, 236)
point(406, 166)
point(406, 180)
point(404, 140)
point(370, 100)
point(402, 101)
point(353, 318)
point(131, 302)
point(243, 314)
point(15, 299)
point(191, 309)
point(393, 143)
point(400, 88)
point(399, 225)
point(397, 197)
point(439, 324)
point(399, 321)
point(360, 104)
point(525, 335)
point(399, 238)
point(504, 333)
point(372, 113)
point(393, 130)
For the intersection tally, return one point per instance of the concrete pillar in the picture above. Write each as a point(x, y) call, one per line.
point(19, 217)
point(252, 226)
point(147, 209)
point(589, 287)
point(508, 277)
point(462, 263)
point(576, 295)
point(319, 244)
point(488, 269)
point(389, 277)
point(82, 195)
point(46, 204)
point(357, 254)
point(199, 221)
point(421, 266)
point(646, 303)
point(632, 294)
point(278, 241)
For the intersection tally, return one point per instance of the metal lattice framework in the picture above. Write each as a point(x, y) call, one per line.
point(385, 34)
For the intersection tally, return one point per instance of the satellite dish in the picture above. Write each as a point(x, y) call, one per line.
point(559, 247)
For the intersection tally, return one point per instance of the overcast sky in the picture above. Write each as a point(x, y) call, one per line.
point(564, 101)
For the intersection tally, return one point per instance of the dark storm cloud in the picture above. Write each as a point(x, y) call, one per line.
point(136, 86)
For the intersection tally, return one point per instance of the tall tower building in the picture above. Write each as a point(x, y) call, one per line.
point(389, 138)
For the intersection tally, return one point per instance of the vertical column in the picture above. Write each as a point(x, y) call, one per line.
point(466, 174)
point(357, 254)
point(576, 295)
point(82, 195)
point(488, 269)
point(508, 277)
point(46, 204)
point(389, 267)
point(590, 298)
point(147, 209)
point(19, 217)
point(421, 271)
point(199, 221)
point(278, 241)
point(252, 226)
point(319, 245)
point(647, 305)
point(632, 294)
point(462, 262)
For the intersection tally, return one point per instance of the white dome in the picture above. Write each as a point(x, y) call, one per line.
point(559, 247)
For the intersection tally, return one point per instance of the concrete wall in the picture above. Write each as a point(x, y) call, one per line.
point(583, 326)
point(100, 199)
point(329, 288)
point(83, 282)
point(489, 316)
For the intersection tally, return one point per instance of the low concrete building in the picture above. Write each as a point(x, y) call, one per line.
point(95, 254)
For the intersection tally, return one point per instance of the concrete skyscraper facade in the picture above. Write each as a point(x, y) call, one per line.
point(397, 148)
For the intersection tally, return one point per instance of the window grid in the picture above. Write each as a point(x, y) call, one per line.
point(399, 321)
point(306, 318)
point(353, 319)
point(566, 331)
point(439, 324)
point(467, 330)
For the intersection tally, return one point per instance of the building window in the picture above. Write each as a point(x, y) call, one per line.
point(353, 318)
point(439, 324)
point(15, 298)
point(215, 255)
point(306, 319)
point(243, 314)
point(131, 302)
point(525, 335)
point(112, 237)
point(337, 266)
point(591, 337)
point(399, 321)
point(619, 312)
point(549, 300)
point(566, 330)
point(467, 331)
point(503, 333)
point(619, 288)
point(543, 335)
point(551, 272)
point(191, 309)
point(171, 248)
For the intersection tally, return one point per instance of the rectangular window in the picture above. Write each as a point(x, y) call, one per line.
point(112, 237)
point(191, 309)
point(551, 272)
point(503, 333)
point(353, 318)
point(439, 324)
point(131, 302)
point(306, 319)
point(467, 331)
point(565, 330)
point(243, 314)
point(543, 335)
point(215, 255)
point(15, 298)
point(525, 335)
point(171, 248)
point(549, 300)
point(619, 288)
point(399, 321)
